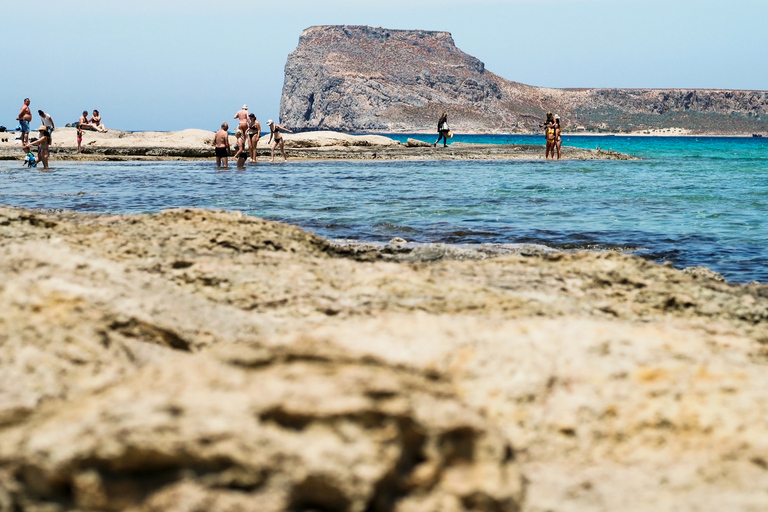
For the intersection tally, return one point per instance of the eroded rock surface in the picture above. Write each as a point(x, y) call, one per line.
point(202, 360)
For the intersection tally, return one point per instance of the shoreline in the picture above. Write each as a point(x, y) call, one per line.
point(487, 152)
point(197, 144)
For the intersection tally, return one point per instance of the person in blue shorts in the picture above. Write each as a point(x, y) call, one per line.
point(25, 116)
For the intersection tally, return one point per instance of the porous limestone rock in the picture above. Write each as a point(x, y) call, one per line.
point(205, 360)
point(415, 143)
point(298, 428)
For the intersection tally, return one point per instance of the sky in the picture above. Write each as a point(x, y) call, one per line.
point(176, 64)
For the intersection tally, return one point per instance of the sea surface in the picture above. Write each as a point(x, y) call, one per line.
point(690, 201)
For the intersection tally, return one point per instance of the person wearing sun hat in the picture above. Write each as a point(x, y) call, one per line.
point(43, 143)
point(242, 117)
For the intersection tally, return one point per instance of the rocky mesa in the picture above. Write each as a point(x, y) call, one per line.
point(365, 79)
point(198, 360)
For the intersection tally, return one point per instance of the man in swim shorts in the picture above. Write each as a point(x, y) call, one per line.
point(221, 143)
point(25, 116)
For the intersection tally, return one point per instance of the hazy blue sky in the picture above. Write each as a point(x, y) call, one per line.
point(173, 64)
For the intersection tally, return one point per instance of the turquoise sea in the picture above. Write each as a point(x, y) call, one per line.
point(691, 201)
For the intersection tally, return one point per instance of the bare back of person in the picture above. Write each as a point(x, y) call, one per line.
point(221, 146)
point(221, 139)
point(242, 117)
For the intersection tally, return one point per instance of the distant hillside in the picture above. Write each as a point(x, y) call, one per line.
point(364, 79)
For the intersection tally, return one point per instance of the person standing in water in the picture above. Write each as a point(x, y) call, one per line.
point(254, 134)
point(240, 153)
point(558, 138)
point(43, 143)
point(221, 143)
point(442, 129)
point(274, 131)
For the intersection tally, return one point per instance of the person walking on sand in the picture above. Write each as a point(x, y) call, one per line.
point(221, 143)
point(43, 144)
point(47, 120)
point(274, 131)
point(25, 116)
point(96, 122)
point(558, 138)
point(549, 133)
point(240, 153)
point(442, 129)
point(242, 117)
point(254, 134)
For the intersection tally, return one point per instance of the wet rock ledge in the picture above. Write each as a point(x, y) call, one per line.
point(205, 360)
point(196, 144)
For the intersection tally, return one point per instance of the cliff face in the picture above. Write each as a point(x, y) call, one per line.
point(355, 78)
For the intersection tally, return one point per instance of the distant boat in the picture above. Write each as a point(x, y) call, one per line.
point(758, 135)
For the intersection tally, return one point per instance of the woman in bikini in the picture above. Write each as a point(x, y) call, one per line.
point(43, 143)
point(240, 153)
point(96, 122)
point(558, 138)
point(549, 130)
point(274, 131)
point(254, 134)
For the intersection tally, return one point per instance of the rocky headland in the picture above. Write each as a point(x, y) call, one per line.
point(366, 79)
point(199, 360)
point(194, 144)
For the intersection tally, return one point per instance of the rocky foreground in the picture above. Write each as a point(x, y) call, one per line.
point(209, 361)
point(196, 144)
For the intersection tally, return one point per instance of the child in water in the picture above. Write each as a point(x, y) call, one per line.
point(30, 160)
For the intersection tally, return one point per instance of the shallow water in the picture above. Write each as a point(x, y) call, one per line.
point(689, 201)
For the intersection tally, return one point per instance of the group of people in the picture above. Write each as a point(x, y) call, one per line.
point(247, 134)
point(553, 133)
point(552, 129)
point(93, 124)
point(43, 143)
point(45, 132)
point(247, 138)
